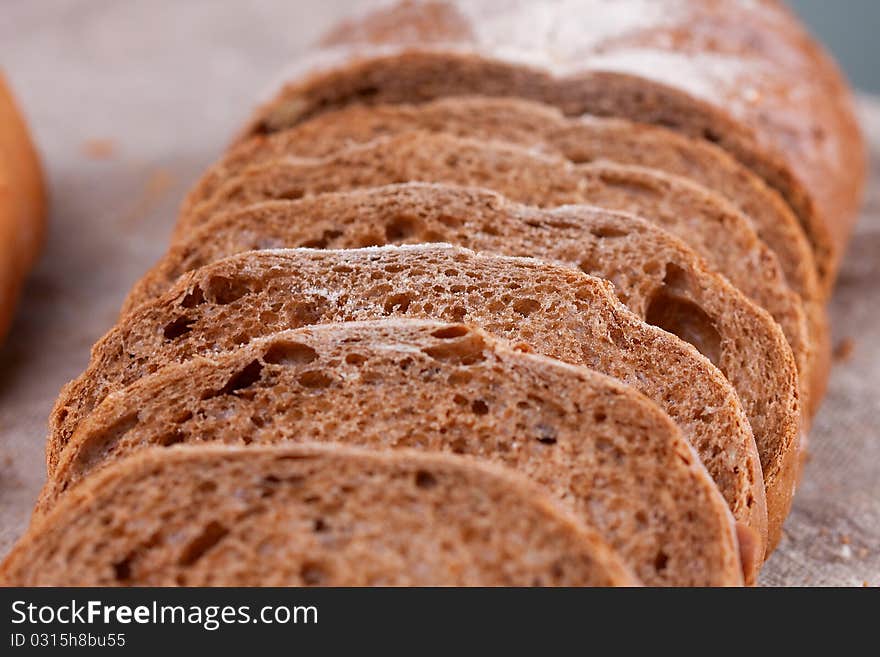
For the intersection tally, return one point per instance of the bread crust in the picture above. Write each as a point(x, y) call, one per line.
point(747, 77)
point(22, 204)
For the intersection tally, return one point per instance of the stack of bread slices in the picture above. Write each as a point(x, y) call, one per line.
point(491, 293)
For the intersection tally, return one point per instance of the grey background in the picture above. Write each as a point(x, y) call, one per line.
point(166, 83)
point(849, 29)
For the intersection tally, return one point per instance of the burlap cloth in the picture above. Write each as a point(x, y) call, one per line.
point(130, 101)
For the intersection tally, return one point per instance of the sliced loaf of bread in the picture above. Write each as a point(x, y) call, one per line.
point(555, 310)
point(692, 213)
point(308, 515)
point(744, 75)
point(654, 274)
point(609, 454)
point(579, 140)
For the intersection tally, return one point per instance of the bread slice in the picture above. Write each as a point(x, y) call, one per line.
point(609, 454)
point(654, 274)
point(557, 311)
point(690, 212)
point(309, 515)
point(746, 76)
point(580, 140)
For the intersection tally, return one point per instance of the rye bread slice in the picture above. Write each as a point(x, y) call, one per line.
point(557, 311)
point(654, 274)
point(308, 515)
point(606, 452)
point(692, 213)
point(746, 76)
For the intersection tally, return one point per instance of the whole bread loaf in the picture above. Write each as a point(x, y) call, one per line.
point(657, 277)
point(746, 76)
point(308, 515)
point(607, 453)
point(22, 204)
point(692, 213)
point(555, 310)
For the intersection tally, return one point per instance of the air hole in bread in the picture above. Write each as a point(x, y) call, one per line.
point(289, 353)
point(711, 135)
point(608, 232)
point(243, 379)
point(312, 573)
point(450, 332)
point(599, 417)
point(397, 302)
point(425, 480)
point(466, 351)
point(661, 561)
point(223, 291)
point(632, 187)
point(355, 359)
point(179, 327)
point(292, 194)
point(546, 435)
point(367, 92)
point(670, 310)
point(455, 313)
point(526, 307)
point(122, 569)
point(211, 535)
point(193, 298)
point(171, 438)
point(319, 526)
point(314, 379)
point(479, 407)
point(461, 400)
point(400, 228)
point(207, 486)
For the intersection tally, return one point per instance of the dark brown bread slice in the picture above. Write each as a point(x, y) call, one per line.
point(557, 311)
point(580, 140)
point(308, 515)
point(653, 273)
point(609, 454)
point(743, 75)
point(692, 213)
